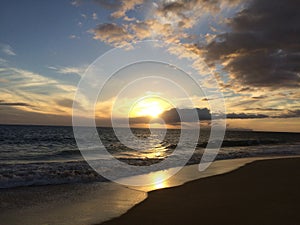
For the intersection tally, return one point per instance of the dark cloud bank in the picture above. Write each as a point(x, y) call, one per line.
point(188, 115)
point(262, 49)
point(172, 116)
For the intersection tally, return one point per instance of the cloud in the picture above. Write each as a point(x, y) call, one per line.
point(3, 103)
point(185, 14)
point(11, 115)
point(246, 116)
point(3, 61)
point(94, 15)
point(152, 28)
point(122, 35)
point(120, 7)
point(258, 97)
point(263, 109)
point(69, 69)
point(23, 86)
point(68, 103)
point(172, 117)
point(187, 115)
point(189, 8)
point(112, 33)
point(289, 114)
point(125, 7)
point(73, 36)
point(76, 2)
point(7, 49)
point(19, 78)
point(166, 20)
point(262, 48)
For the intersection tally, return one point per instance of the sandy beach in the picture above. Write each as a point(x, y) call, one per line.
point(263, 192)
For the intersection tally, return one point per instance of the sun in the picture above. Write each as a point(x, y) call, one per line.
point(152, 109)
point(150, 106)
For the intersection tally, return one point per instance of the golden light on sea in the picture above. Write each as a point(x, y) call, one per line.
point(159, 180)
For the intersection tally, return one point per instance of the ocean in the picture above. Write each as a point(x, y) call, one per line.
point(46, 155)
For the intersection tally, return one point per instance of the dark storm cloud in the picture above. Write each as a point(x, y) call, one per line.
point(263, 47)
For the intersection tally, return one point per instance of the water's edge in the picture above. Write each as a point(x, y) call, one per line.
point(78, 204)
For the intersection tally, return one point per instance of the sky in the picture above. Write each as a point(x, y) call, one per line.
point(251, 48)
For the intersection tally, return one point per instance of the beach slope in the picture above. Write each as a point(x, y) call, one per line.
point(262, 192)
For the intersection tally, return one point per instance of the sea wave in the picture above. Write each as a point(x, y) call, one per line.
point(45, 173)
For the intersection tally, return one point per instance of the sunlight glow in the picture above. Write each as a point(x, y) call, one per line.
point(150, 106)
point(159, 180)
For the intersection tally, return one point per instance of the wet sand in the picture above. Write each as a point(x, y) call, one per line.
point(263, 192)
point(96, 202)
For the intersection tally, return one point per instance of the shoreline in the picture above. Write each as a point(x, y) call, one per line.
point(261, 192)
point(79, 203)
point(191, 172)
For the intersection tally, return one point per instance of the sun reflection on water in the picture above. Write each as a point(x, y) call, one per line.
point(155, 180)
point(159, 180)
